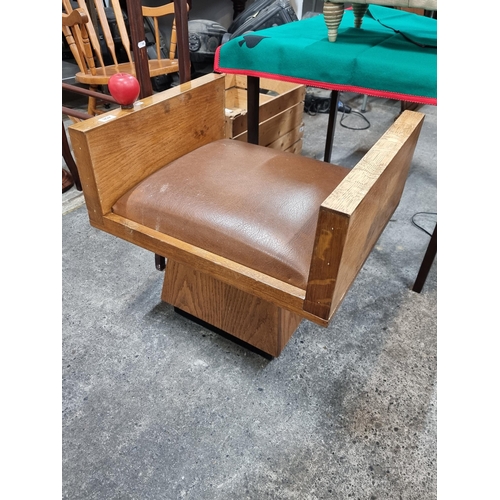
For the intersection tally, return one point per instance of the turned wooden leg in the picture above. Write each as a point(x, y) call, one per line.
point(257, 322)
point(92, 104)
point(333, 13)
point(359, 10)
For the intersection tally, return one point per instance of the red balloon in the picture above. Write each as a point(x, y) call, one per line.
point(124, 88)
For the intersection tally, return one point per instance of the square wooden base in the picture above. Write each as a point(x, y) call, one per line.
point(256, 321)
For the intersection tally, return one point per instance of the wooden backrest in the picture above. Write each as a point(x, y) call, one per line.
point(98, 21)
point(116, 150)
point(353, 217)
point(74, 28)
point(155, 13)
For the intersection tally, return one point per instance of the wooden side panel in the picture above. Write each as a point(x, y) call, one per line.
point(244, 278)
point(280, 87)
point(236, 101)
point(254, 320)
point(353, 217)
point(230, 81)
point(118, 149)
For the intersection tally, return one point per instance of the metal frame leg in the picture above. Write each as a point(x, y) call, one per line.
point(425, 267)
point(330, 131)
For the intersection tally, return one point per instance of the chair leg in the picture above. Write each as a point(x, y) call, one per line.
point(92, 105)
point(257, 322)
point(425, 267)
point(68, 158)
point(67, 181)
point(159, 262)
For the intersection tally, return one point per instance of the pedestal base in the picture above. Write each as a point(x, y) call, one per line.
point(251, 319)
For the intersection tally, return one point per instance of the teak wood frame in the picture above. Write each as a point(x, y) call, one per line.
point(117, 150)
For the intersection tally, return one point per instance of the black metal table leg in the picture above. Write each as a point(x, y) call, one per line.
point(253, 88)
point(330, 131)
point(425, 267)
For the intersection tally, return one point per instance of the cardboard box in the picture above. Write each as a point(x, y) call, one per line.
point(281, 109)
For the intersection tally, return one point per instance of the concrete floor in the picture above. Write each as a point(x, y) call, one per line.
point(158, 407)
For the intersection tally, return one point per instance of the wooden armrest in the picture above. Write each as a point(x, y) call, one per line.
point(353, 217)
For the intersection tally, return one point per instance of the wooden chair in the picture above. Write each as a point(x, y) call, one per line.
point(256, 239)
point(93, 69)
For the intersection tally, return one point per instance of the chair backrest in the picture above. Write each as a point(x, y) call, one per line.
point(74, 27)
point(155, 13)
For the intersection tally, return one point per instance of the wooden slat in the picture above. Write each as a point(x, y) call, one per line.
point(353, 217)
point(276, 126)
point(122, 28)
point(265, 83)
point(236, 97)
point(285, 142)
point(106, 31)
point(74, 43)
point(270, 105)
point(295, 148)
point(181, 34)
point(94, 39)
point(155, 12)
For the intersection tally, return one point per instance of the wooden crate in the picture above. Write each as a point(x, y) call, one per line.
point(281, 109)
point(412, 10)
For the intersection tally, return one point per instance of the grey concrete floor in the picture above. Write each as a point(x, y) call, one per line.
point(158, 407)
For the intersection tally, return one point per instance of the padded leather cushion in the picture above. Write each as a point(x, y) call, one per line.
point(253, 205)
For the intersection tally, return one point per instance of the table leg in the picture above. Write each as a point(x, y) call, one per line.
point(253, 88)
point(425, 267)
point(330, 131)
point(365, 101)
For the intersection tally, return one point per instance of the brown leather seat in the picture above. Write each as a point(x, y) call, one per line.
point(262, 214)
